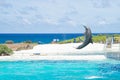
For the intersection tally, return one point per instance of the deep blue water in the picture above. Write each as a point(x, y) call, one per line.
point(60, 70)
point(44, 38)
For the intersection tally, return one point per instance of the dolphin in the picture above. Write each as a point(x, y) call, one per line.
point(88, 38)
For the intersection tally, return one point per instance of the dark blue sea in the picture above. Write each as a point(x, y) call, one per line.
point(43, 38)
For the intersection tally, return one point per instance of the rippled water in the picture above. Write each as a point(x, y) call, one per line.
point(60, 70)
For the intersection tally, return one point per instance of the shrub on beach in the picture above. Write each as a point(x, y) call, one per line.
point(77, 40)
point(28, 41)
point(95, 38)
point(4, 50)
point(9, 42)
point(99, 38)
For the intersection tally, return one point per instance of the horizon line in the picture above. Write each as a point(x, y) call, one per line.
point(61, 33)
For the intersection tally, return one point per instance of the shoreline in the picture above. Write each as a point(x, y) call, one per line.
point(95, 51)
point(62, 57)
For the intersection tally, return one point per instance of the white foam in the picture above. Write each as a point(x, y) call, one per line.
point(93, 77)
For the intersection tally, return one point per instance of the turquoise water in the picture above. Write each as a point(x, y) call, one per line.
point(60, 70)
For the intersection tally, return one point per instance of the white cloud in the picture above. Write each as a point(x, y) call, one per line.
point(60, 13)
point(26, 21)
point(101, 3)
point(102, 22)
point(50, 21)
point(72, 23)
point(4, 4)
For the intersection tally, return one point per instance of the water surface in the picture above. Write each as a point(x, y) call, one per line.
point(60, 70)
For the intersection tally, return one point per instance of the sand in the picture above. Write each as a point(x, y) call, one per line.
point(20, 46)
point(59, 52)
point(63, 49)
point(68, 51)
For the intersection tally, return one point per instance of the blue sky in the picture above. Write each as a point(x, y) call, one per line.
point(59, 16)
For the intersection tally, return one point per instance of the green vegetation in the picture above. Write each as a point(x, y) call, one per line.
point(78, 39)
point(4, 50)
point(100, 38)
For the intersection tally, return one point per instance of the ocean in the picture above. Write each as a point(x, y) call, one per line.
point(43, 38)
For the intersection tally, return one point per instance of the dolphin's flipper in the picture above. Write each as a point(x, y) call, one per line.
point(88, 38)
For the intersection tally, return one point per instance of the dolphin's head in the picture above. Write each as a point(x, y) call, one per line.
point(85, 27)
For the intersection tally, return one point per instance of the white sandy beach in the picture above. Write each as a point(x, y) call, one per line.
point(63, 49)
point(68, 51)
point(59, 52)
